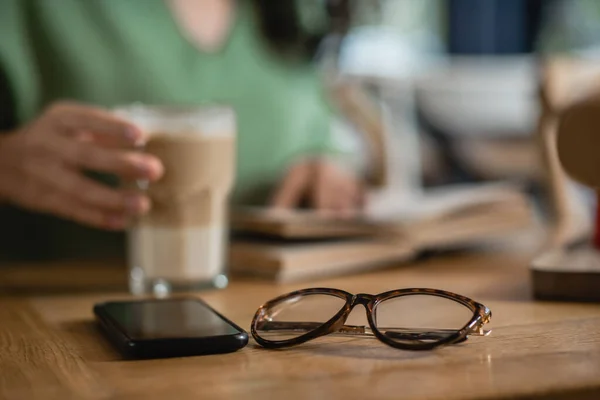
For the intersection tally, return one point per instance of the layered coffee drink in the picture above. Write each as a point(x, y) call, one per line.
point(181, 243)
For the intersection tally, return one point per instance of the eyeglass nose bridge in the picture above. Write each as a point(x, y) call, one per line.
point(361, 298)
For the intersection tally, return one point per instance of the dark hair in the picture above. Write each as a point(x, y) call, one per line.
point(280, 24)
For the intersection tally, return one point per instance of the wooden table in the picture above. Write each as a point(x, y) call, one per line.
point(50, 347)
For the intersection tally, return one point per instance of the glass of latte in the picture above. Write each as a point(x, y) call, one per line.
point(181, 243)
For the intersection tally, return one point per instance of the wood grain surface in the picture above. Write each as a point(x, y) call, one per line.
point(50, 347)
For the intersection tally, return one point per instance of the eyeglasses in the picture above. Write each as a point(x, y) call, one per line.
point(409, 319)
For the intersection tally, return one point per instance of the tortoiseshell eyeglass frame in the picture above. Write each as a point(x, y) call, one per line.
point(423, 339)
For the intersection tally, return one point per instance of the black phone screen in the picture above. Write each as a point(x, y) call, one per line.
point(168, 319)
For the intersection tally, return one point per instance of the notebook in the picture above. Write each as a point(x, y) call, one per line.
point(292, 245)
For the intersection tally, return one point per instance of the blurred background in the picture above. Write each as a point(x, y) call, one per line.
point(429, 92)
point(460, 86)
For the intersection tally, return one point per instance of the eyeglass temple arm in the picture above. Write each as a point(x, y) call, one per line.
point(394, 333)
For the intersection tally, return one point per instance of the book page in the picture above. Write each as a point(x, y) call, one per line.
point(438, 202)
point(384, 209)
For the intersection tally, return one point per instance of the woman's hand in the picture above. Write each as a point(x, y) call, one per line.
point(324, 185)
point(41, 166)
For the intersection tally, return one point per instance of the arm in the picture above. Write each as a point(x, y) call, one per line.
point(41, 164)
point(3, 170)
point(7, 123)
point(321, 170)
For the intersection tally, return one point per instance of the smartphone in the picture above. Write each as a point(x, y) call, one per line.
point(161, 328)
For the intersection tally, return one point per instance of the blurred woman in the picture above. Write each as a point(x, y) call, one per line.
point(64, 63)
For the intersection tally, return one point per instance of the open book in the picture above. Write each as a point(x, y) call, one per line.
point(285, 245)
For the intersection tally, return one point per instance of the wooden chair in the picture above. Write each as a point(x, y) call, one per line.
point(569, 268)
point(382, 110)
point(563, 81)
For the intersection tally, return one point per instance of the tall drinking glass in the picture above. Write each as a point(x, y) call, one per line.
point(181, 244)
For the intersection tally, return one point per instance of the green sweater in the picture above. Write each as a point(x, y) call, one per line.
point(112, 52)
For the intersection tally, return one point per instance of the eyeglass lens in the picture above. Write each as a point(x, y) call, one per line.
point(298, 315)
point(420, 318)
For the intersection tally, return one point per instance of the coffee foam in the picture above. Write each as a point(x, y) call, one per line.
point(207, 121)
point(178, 254)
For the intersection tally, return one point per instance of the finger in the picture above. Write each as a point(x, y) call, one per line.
point(76, 117)
point(323, 193)
point(348, 201)
point(360, 196)
point(126, 164)
point(292, 189)
point(338, 201)
point(84, 136)
point(353, 194)
point(63, 205)
point(93, 194)
point(342, 198)
point(39, 196)
point(100, 140)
